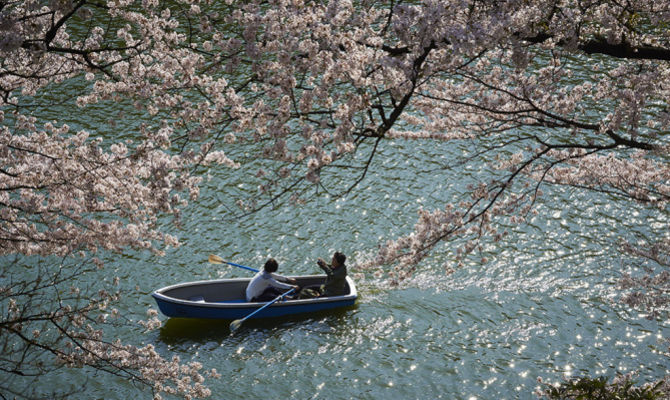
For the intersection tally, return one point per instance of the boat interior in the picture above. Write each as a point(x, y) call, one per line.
point(227, 290)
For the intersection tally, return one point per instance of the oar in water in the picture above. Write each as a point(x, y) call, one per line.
point(214, 259)
point(238, 322)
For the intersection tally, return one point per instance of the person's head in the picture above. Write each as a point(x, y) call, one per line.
point(271, 265)
point(338, 259)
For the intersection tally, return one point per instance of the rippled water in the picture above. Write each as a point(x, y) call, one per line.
point(545, 305)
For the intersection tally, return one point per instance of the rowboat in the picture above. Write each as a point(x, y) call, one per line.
point(225, 299)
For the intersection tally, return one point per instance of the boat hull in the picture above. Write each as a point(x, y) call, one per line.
point(224, 299)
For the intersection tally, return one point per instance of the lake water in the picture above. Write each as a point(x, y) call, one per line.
point(545, 305)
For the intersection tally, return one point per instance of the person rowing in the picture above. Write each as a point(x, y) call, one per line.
point(267, 284)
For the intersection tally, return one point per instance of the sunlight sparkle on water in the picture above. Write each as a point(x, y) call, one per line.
point(568, 370)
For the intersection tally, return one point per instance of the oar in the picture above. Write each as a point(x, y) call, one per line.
point(236, 324)
point(214, 259)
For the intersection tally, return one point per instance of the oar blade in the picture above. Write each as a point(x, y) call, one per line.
point(214, 259)
point(235, 325)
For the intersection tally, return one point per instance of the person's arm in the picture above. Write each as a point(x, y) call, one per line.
point(278, 277)
point(282, 278)
point(325, 267)
point(279, 285)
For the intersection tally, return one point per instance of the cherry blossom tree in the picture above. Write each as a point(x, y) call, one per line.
point(570, 92)
point(69, 194)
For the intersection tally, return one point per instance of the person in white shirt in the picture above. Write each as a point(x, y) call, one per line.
point(266, 285)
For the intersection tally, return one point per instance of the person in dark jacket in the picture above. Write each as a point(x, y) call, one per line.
point(336, 275)
point(336, 279)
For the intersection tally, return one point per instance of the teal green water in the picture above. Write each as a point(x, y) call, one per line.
point(545, 305)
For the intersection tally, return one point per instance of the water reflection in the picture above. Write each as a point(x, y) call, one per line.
point(187, 331)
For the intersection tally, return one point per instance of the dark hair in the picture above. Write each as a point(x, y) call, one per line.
point(341, 258)
point(271, 265)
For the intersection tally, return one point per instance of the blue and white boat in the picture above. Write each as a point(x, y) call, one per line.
point(225, 299)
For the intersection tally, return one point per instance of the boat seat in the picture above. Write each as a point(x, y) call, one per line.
point(197, 299)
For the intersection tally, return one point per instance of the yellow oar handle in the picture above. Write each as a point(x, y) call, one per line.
point(218, 260)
